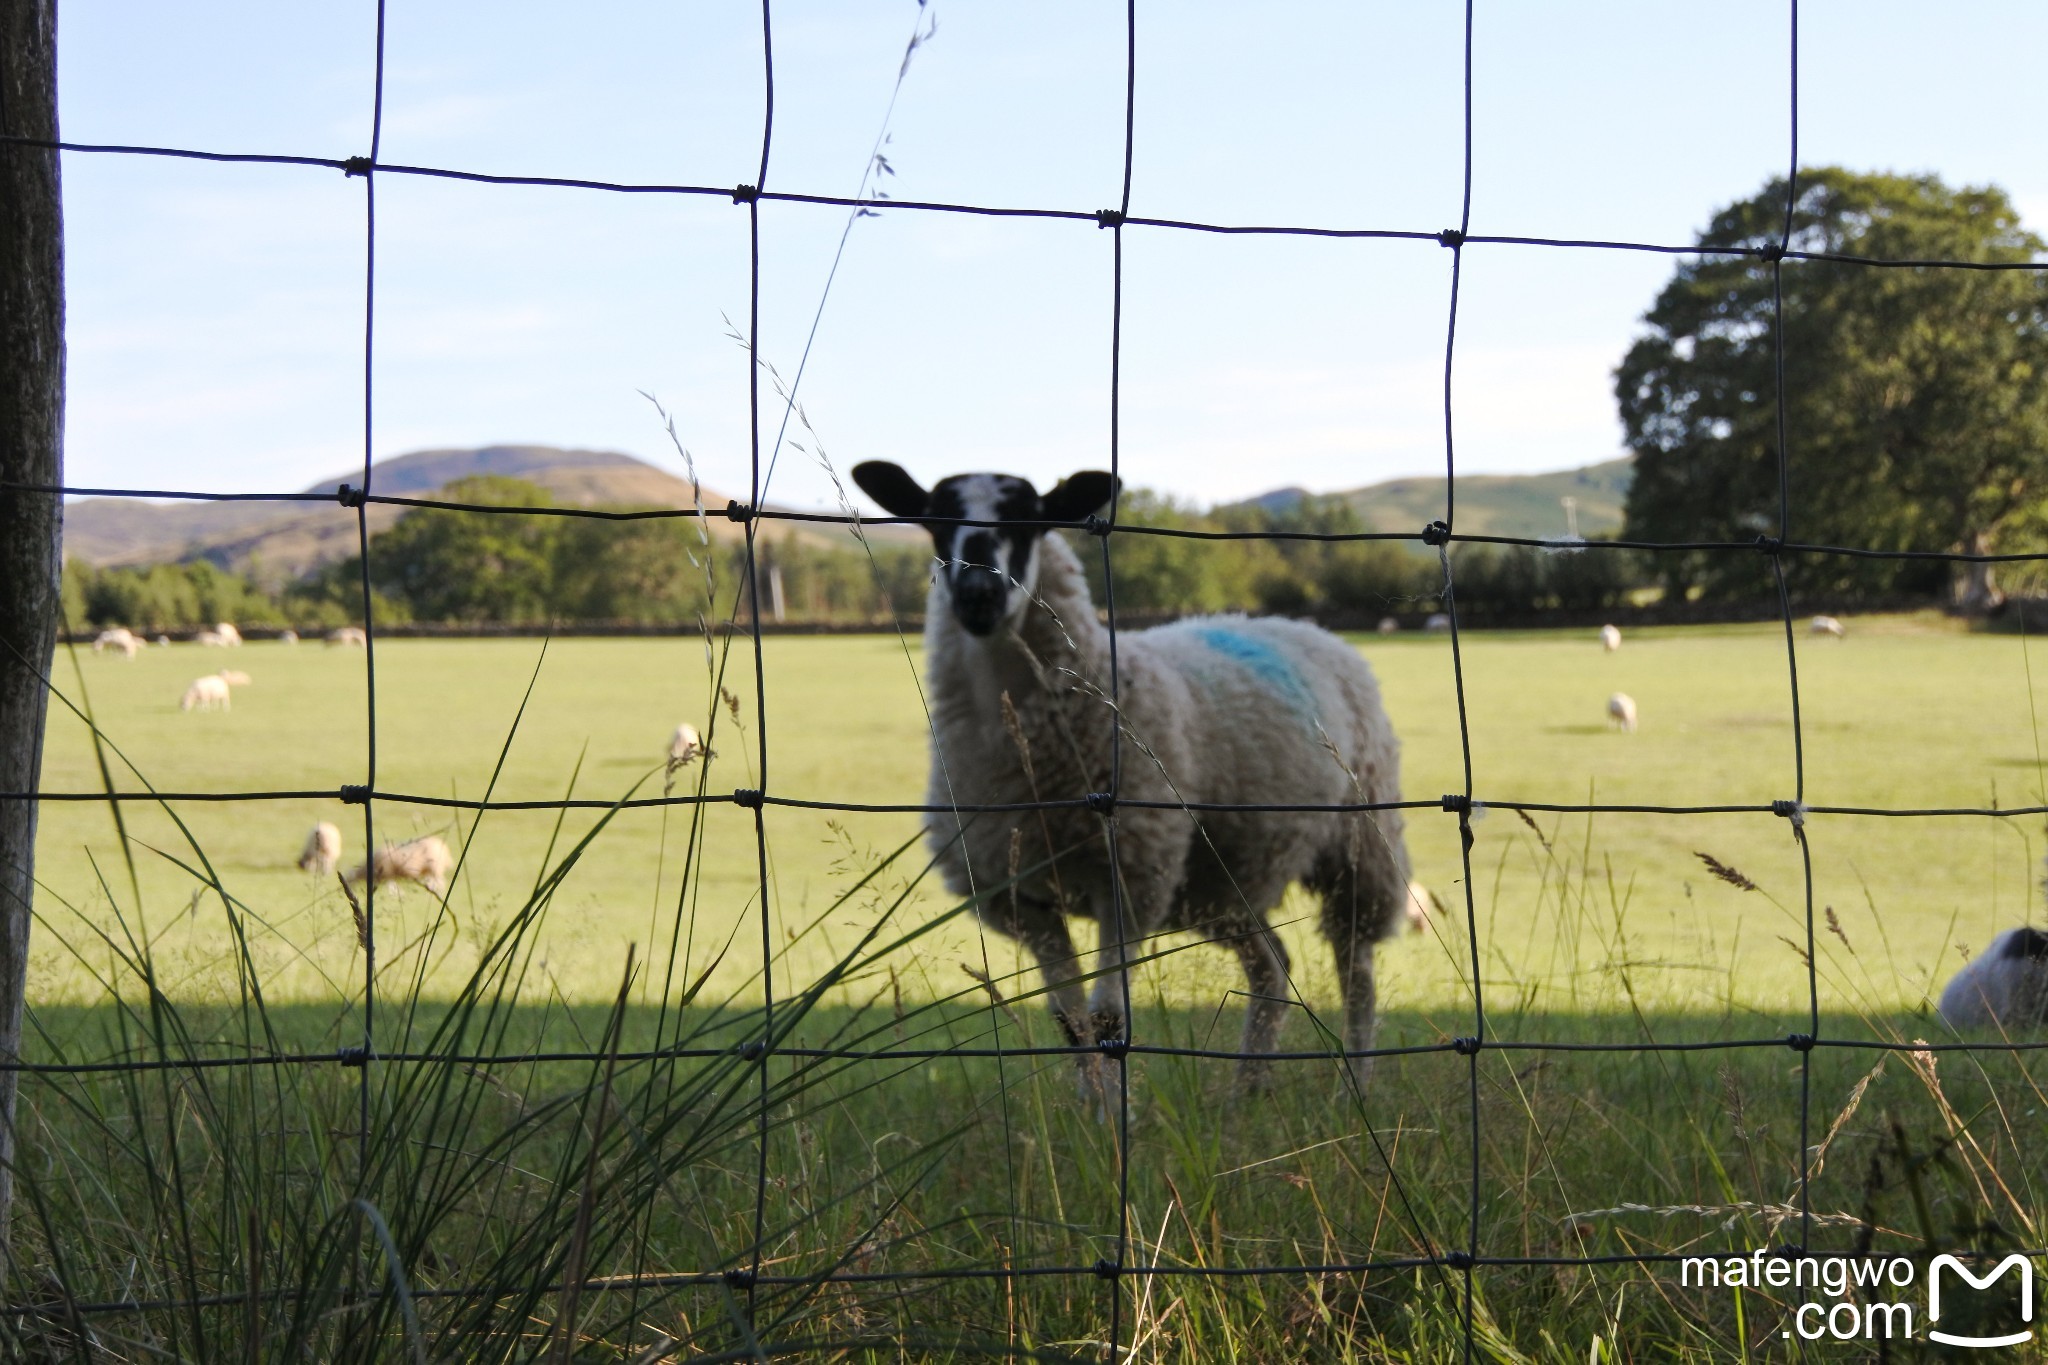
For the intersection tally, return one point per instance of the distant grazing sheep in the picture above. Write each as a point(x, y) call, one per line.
point(234, 677)
point(1826, 625)
point(119, 637)
point(1219, 709)
point(323, 850)
point(228, 634)
point(212, 639)
point(1621, 710)
point(684, 746)
point(2005, 986)
point(1388, 625)
point(1437, 621)
point(209, 693)
point(164, 641)
point(1421, 901)
point(288, 637)
point(348, 635)
point(1610, 638)
point(424, 860)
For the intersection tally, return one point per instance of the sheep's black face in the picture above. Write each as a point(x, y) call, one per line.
point(989, 570)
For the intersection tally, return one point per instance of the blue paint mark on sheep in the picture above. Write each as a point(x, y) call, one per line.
point(1267, 663)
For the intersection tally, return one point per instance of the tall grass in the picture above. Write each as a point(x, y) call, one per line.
point(461, 1198)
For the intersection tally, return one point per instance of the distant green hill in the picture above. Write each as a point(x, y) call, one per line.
point(1493, 504)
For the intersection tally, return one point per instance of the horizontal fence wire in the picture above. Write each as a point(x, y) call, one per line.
point(748, 1271)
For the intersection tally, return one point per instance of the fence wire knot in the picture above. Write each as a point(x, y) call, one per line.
point(1466, 1047)
point(1102, 803)
point(747, 798)
point(753, 1050)
point(1095, 525)
point(745, 194)
point(1460, 1260)
point(1770, 545)
point(1770, 253)
point(352, 795)
point(1795, 811)
point(1114, 1047)
point(1450, 237)
point(1109, 218)
point(1106, 1269)
point(1799, 1042)
point(739, 1277)
point(735, 510)
point(348, 495)
point(1436, 533)
point(1456, 804)
point(353, 1056)
point(356, 165)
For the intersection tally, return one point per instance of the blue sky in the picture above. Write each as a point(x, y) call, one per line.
point(216, 312)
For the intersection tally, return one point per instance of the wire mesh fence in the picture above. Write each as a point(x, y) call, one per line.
point(1120, 1276)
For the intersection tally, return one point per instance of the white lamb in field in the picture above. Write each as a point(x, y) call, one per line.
point(684, 746)
point(1421, 902)
point(2004, 987)
point(119, 637)
point(234, 677)
point(425, 860)
point(164, 641)
point(1621, 710)
point(287, 637)
point(1826, 625)
point(1217, 710)
point(211, 639)
point(323, 850)
point(229, 636)
point(1610, 638)
point(348, 635)
point(1388, 625)
point(209, 693)
point(1437, 621)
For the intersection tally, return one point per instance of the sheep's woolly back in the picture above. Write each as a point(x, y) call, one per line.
point(425, 860)
point(1219, 709)
point(2005, 986)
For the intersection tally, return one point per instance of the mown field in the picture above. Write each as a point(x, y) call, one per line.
point(1589, 930)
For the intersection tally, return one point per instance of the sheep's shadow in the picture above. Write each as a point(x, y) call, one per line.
point(1576, 729)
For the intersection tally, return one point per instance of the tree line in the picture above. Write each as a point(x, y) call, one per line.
point(512, 567)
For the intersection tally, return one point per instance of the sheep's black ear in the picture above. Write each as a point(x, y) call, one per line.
point(1077, 495)
point(2028, 943)
point(890, 486)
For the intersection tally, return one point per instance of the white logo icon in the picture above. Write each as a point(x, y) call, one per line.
point(2026, 1298)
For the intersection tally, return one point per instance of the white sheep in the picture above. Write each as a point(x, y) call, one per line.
point(119, 637)
point(229, 636)
point(424, 860)
point(1826, 625)
point(2005, 986)
point(234, 677)
point(287, 637)
point(1222, 710)
point(211, 639)
point(1388, 625)
point(348, 635)
point(163, 641)
point(209, 693)
point(1422, 902)
point(1610, 638)
point(684, 746)
point(1621, 710)
point(323, 850)
point(1437, 621)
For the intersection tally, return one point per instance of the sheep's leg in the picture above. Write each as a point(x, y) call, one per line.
point(1360, 900)
point(1264, 960)
point(1044, 934)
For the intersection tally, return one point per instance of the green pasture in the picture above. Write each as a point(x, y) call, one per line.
point(1906, 712)
point(215, 1184)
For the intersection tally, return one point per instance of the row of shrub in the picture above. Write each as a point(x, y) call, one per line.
point(507, 568)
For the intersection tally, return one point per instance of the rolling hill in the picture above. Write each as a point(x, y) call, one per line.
point(278, 541)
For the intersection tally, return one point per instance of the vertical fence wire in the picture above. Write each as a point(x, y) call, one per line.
point(1111, 1057)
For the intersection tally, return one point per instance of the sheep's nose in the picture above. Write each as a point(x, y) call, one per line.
point(978, 598)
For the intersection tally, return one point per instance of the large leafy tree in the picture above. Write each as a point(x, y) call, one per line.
point(1916, 396)
point(472, 566)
